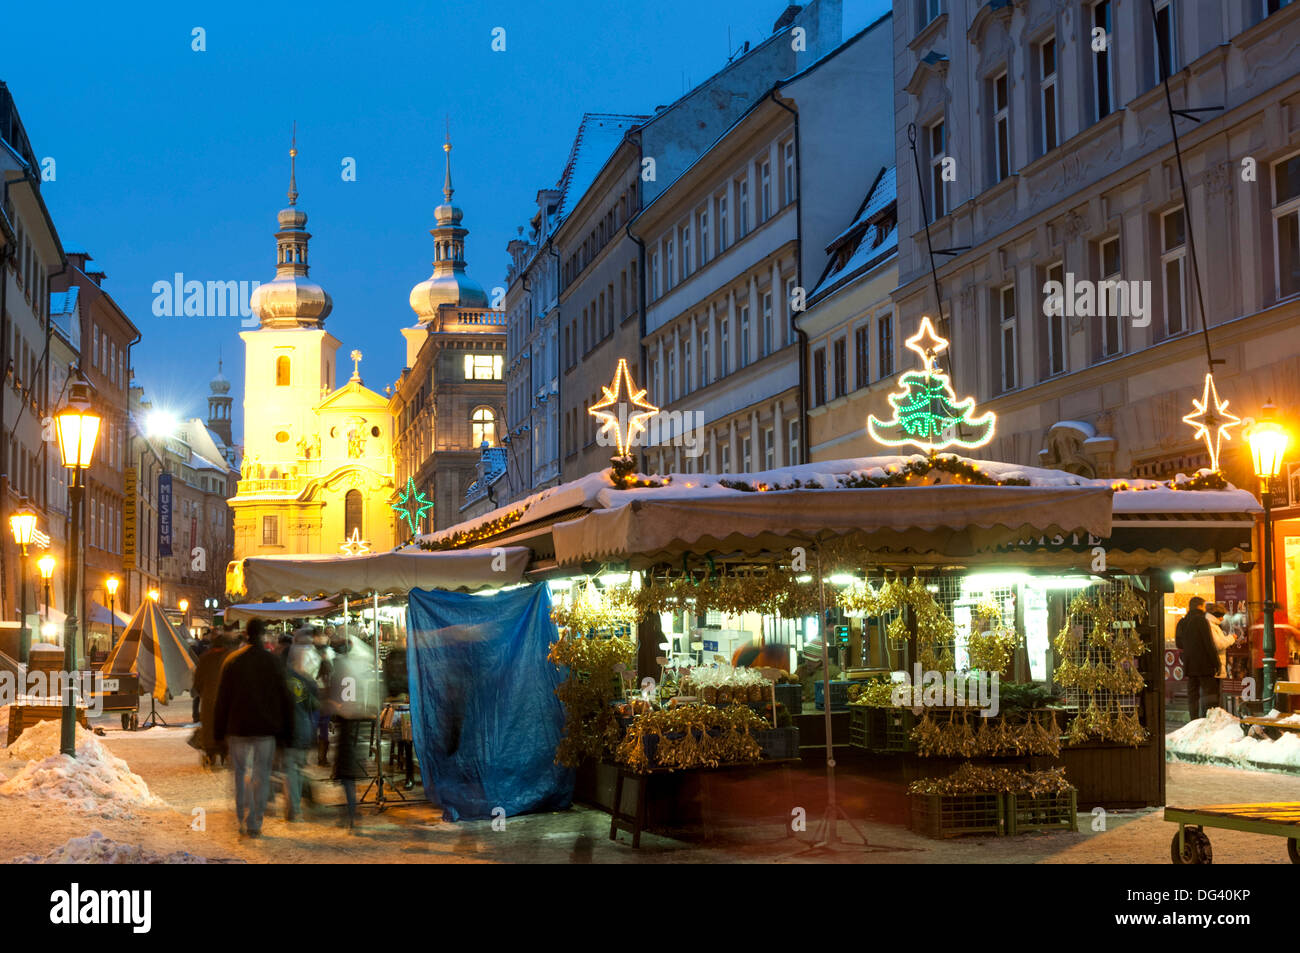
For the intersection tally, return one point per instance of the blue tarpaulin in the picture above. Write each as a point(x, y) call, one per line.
point(485, 717)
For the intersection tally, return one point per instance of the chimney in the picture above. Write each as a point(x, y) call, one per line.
point(786, 18)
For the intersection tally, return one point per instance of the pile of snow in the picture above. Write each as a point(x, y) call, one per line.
point(4, 722)
point(95, 782)
point(1219, 736)
point(95, 848)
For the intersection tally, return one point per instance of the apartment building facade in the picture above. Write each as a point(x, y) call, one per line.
point(732, 247)
point(1045, 150)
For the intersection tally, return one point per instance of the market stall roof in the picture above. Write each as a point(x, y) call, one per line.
point(302, 609)
point(152, 649)
point(896, 503)
point(270, 577)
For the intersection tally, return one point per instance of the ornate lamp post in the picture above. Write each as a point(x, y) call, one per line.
point(111, 584)
point(23, 524)
point(77, 427)
point(1268, 442)
point(184, 606)
point(46, 565)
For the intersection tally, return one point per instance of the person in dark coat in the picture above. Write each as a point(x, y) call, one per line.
point(303, 662)
point(1200, 658)
point(353, 698)
point(254, 712)
point(207, 677)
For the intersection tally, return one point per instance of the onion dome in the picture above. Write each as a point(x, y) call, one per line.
point(449, 284)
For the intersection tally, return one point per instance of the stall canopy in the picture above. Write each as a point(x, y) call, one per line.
point(301, 609)
point(271, 577)
point(152, 649)
point(954, 520)
point(99, 615)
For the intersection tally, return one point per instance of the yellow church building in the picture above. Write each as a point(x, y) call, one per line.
point(317, 472)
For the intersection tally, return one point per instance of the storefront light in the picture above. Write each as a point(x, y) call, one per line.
point(560, 585)
point(1063, 582)
point(1180, 575)
point(614, 578)
point(842, 579)
point(803, 579)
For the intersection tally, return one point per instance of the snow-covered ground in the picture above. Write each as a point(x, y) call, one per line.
point(1219, 737)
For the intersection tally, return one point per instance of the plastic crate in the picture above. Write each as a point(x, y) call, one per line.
point(839, 695)
point(791, 696)
point(951, 815)
point(1042, 812)
point(778, 742)
point(862, 725)
point(896, 730)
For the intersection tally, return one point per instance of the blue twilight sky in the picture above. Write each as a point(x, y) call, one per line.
point(171, 160)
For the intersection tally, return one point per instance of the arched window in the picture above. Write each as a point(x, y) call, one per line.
point(352, 513)
point(483, 426)
point(282, 371)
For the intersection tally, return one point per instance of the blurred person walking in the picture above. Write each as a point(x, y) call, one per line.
point(254, 710)
point(207, 679)
point(1200, 658)
point(303, 665)
point(353, 701)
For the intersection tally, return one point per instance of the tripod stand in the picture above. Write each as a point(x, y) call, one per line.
point(154, 718)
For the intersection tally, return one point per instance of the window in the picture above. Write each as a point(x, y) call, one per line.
point(670, 374)
point(483, 367)
point(704, 236)
point(704, 357)
point(1173, 261)
point(841, 367)
point(282, 371)
point(938, 192)
point(1001, 136)
point(687, 366)
point(724, 236)
point(794, 442)
point(686, 251)
point(1101, 79)
point(930, 10)
point(724, 346)
point(669, 274)
point(654, 274)
point(746, 454)
point(861, 357)
point(885, 344)
point(819, 376)
point(769, 341)
point(1006, 332)
point(744, 336)
point(483, 427)
point(1166, 40)
point(1112, 329)
point(270, 531)
point(765, 191)
point(724, 455)
point(1272, 6)
point(742, 207)
point(353, 507)
point(790, 187)
point(1047, 94)
point(1056, 330)
point(769, 448)
point(1286, 224)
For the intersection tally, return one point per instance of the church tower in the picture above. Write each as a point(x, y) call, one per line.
point(219, 406)
point(317, 461)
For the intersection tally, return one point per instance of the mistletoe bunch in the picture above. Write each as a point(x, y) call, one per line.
point(991, 644)
point(591, 726)
point(593, 610)
point(1039, 734)
point(969, 779)
point(692, 736)
point(1118, 723)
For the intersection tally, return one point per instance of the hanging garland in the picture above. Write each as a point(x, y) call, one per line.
point(935, 631)
point(593, 610)
point(1039, 734)
point(593, 682)
point(992, 646)
point(692, 736)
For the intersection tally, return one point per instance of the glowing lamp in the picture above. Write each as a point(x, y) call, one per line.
point(111, 584)
point(46, 565)
point(77, 427)
point(23, 524)
point(1268, 442)
point(153, 594)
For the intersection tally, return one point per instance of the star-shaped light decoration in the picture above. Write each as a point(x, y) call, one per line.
point(1211, 420)
point(622, 393)
point(926, 343)
point(354, 545)
point(412, 505)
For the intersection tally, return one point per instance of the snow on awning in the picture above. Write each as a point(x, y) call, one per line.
point(948, 519)
point(302, 609)
point(272, 577)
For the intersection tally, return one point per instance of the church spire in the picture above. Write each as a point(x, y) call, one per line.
point(447, 190)
point(293, 159)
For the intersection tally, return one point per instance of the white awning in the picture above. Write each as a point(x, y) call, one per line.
point(302, 609)
point(271, 577)
point(955, 520)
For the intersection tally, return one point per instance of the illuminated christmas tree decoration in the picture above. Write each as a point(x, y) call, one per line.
point(622, 393)
point(927, 413)
point(412, 505)
point(354, 545)
point(1211, 420)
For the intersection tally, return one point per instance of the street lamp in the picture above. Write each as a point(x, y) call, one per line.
point(46, 565)
point(184, 606)
point(23, 523)
point(1268, 440)
point(111, 584)
point(77, 428)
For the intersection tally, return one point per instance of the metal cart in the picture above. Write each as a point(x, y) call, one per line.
point(1191, 845)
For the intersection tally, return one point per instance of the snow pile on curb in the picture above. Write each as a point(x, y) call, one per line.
point(95, 848)
point(4, 722)
point(1219, 736)
point(95, 782)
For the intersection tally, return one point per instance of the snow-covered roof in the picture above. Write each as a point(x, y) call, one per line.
point(597, 491)
point(870, 241)
point(494, 468)
point(598, 136)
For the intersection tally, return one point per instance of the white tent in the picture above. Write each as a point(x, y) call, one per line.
point(301, 609)
point(273, 577)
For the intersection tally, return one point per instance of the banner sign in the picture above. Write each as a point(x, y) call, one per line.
point(164, 514)
point(128, 521)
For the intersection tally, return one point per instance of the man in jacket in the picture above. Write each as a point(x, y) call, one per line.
point(303, 663)
point(207, 678)
point(254, 711)
point(1200, 658)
